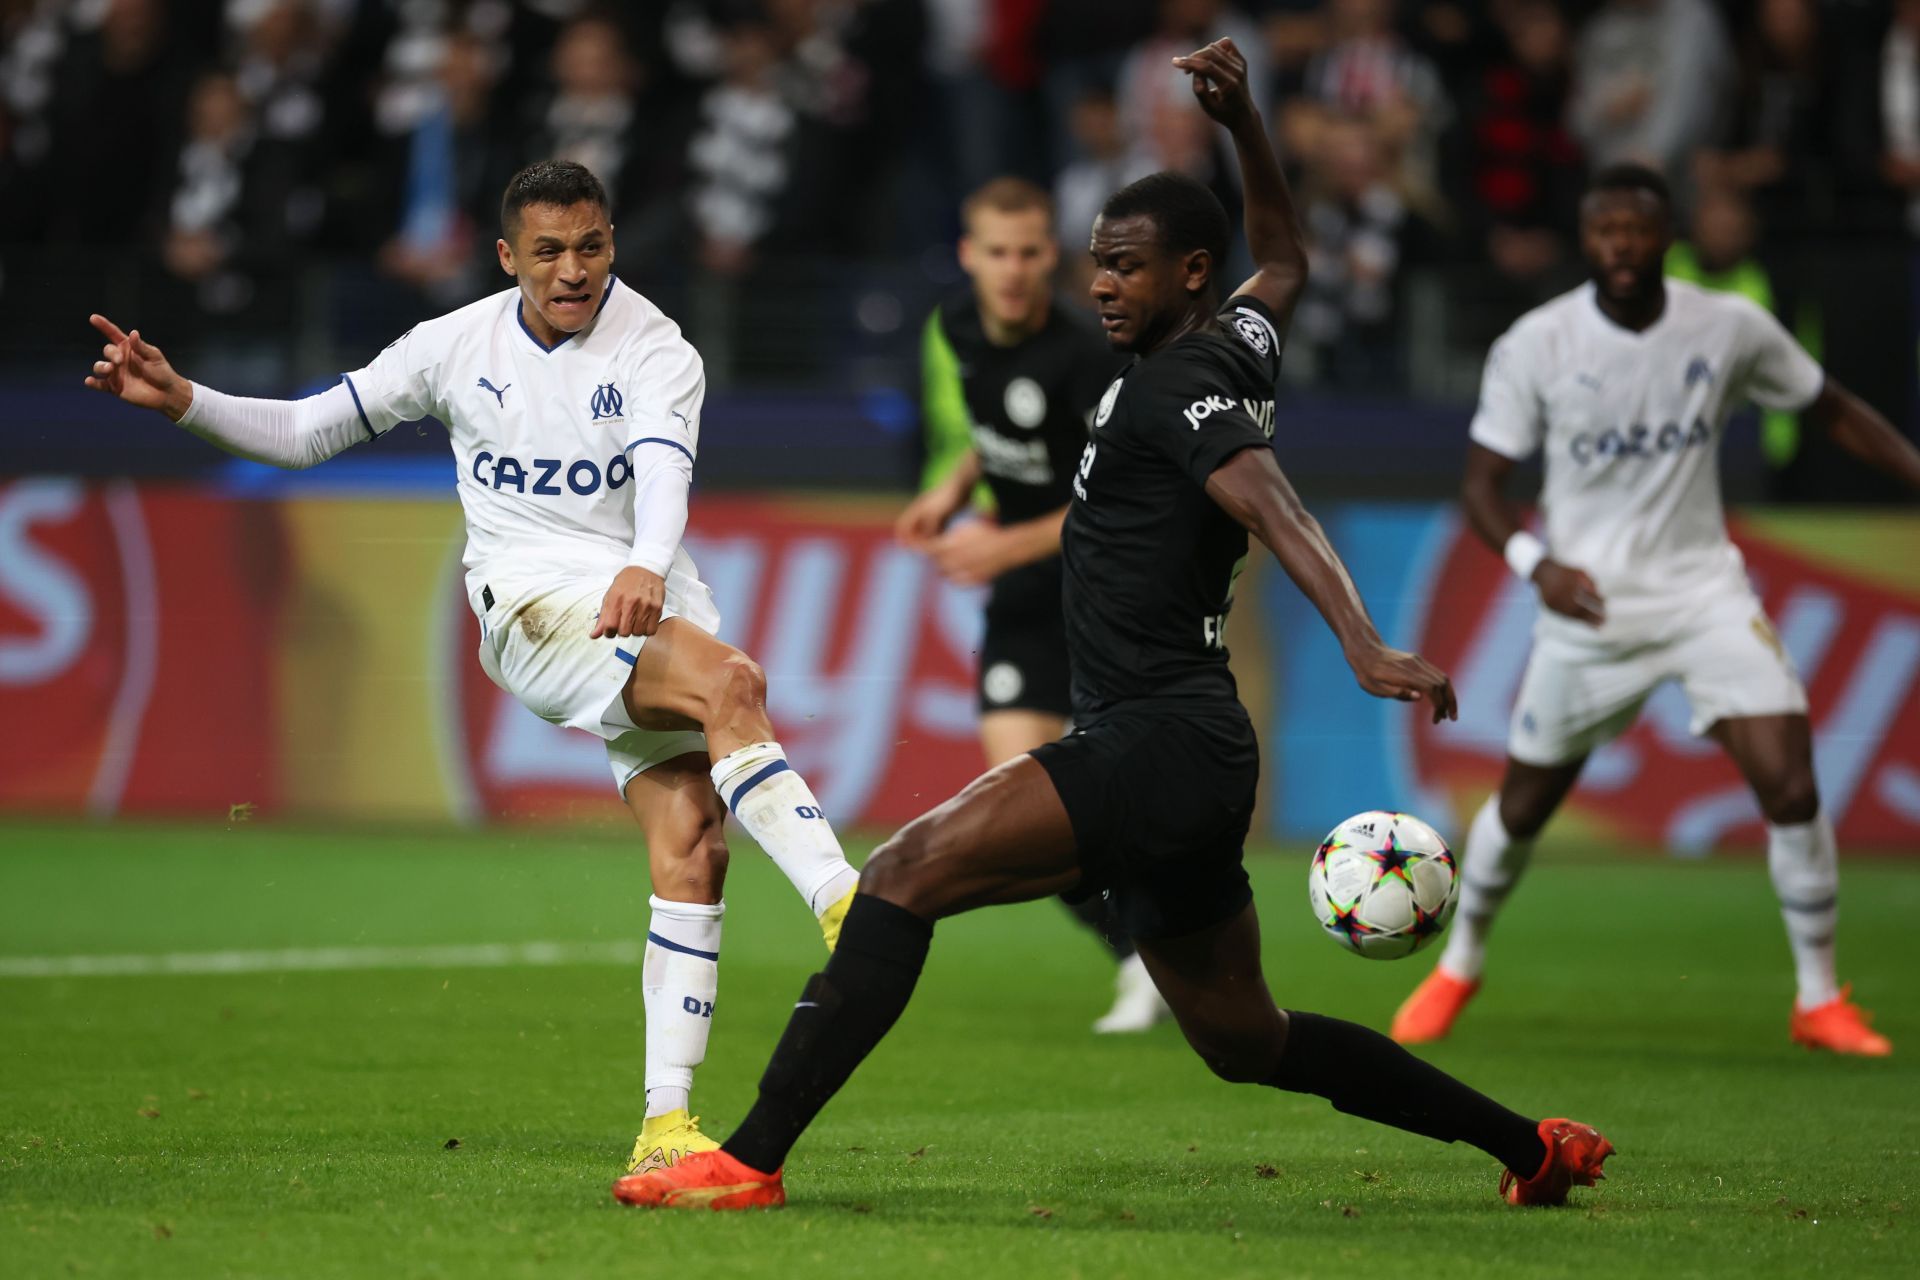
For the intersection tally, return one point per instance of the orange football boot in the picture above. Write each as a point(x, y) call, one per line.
point(1839, 1026)
point(1429, 1012)
point(702, 1180)
point(1575, 1153)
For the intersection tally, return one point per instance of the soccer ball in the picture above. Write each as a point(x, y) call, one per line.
point(1383, 885)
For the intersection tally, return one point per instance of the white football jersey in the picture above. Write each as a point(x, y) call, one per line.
point(542, 436)
point(1630, 424)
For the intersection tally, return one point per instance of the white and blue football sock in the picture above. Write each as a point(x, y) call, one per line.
point(678, 981)
point(1489, 867)
point(1804, 862)
point(779, 811)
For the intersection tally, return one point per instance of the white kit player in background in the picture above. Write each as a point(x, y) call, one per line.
point(1624, 386)
point(573, 406)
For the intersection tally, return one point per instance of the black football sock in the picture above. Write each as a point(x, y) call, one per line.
point(1363, 1073)
point(1097, 915)
point(839, 1018)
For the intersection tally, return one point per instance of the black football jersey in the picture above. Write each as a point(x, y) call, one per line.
point(1150, 559)
point(1029, 402)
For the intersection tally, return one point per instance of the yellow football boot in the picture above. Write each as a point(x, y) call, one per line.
point(665, 1139)
point(834, 916)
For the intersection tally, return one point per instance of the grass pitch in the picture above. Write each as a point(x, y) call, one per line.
point(435, 1120)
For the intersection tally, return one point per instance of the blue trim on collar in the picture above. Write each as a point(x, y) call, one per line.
point(520, 314)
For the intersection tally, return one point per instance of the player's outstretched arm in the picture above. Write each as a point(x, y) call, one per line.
point(1562, 588)
point(1864, 432)
point(1273, 228)
point(283, 433)
point(1251, 488)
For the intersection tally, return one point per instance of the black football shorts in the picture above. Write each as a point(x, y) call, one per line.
point(1160, 804)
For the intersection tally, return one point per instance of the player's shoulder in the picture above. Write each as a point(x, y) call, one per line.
point(1702, 307)
point(956, 318)
point(1201, 368)
point(445, 332)
point(1544, 334)
point(647, 335)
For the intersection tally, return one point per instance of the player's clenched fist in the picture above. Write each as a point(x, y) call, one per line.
point(632, 604)
point(1219, 81)
point(1391, 673)
point(134, 370)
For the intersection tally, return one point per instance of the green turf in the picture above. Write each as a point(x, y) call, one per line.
point(297, 1124)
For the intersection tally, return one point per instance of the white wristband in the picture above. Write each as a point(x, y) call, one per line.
point(1524, 553)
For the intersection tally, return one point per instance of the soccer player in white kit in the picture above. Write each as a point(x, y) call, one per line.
point(1624, 386)
point(573, 407)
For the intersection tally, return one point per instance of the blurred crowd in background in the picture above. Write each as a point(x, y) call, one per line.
point(786, 173)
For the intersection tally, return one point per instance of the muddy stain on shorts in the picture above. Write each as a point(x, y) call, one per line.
point(537, 621)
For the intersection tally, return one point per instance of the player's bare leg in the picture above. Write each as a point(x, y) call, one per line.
point(683, 678)
point(1775, 755)
point(683, 822)
point(1499, 846)
point(1005, 838)
point(1214, 981)
point(1137, 1006)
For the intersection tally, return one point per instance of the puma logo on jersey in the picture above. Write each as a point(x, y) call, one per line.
point(499, 393)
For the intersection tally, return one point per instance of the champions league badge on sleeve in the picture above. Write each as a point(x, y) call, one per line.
point(1254, 331)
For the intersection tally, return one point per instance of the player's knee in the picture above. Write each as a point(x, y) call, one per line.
point(902, 870)
point(1790, 799)
point(1238, 1057)
point(740, 683)
point(1523, 816)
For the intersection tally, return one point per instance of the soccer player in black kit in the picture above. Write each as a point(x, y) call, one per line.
point(1151, 796)
point(1009, 382)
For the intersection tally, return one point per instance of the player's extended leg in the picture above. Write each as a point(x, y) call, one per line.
point(1775, 755)
point(684, 822)
point(682, 677)
point(1499, 846)
point(1005, 838)
point(1137, 1005)
point(1214, 982)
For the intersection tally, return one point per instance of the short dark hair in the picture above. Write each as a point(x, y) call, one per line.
point(1628, 176)
point(1186, 213)
point(556, 182)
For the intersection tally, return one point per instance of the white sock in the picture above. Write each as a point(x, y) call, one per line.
point(778, 810)
point(678, 981)
point(1489, 865)
point(1805, 865)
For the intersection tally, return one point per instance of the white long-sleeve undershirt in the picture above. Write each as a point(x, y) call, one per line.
point(285, 433)
point(662, 477)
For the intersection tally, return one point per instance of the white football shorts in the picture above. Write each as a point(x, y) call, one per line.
point(537, 648)
point(1577, 696)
